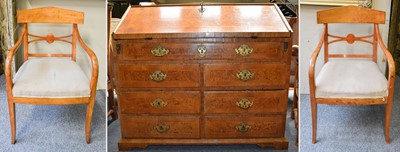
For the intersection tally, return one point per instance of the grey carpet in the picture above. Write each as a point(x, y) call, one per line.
point(52, 128)
point(349, 128)
point(114, 134)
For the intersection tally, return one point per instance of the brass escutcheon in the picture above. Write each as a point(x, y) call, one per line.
point(158, 76)
point(244, 103)
point(245, 75)
point(243, 127)
point(159, 51)
point(161, 127)
point(202, 50)
point(244, 50)
point(159, 103)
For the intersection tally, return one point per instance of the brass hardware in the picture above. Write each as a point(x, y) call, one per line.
point(158, 103)
point(158, 76)
point(245, 75)
point(243, 127)
point(159, 51)
point(244, 50)
point(202, 9)
point(244, 103)
point(118, 48)
point(202, 50)
point(161, 127)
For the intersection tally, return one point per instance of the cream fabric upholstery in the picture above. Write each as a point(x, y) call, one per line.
point(50, 78)
point(351, 79)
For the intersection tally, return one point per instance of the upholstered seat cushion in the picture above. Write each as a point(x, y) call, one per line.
point(351, 79)
point(50, 78)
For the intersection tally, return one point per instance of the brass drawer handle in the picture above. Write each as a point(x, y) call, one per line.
point(158, 76)
point(161, 127)
point(244, 50)
point(202, 50)
point(245, 75)
point(159, 103)
point(244, 103)
point(159, 51)
point(243, 127)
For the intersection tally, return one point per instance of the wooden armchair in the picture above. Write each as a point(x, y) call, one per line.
point(346, 81)
point(50, 78)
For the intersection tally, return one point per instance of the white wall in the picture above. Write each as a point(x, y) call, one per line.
point(310, 33)
point(93, 32)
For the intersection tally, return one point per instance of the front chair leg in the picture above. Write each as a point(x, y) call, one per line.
point(89, 112)
point(314, 121)
point(11, 109)
point(387, 121)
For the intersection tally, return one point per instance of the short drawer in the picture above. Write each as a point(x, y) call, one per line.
point(157, 75)
point(245, 102)
point(273, 75)
point(160, 102)
point(245, 127)
point(197, 50)
point(160, 127)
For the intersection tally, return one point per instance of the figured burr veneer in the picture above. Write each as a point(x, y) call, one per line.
point(190, 78)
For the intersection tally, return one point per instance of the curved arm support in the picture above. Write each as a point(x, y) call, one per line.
point(9, 60)
point(390, 62)
point(94, 61)
point(311, 68)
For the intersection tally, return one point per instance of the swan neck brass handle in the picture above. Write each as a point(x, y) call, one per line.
point(243, 127)
point(159, 103)
point(244, 103)
point(244, 50)
point(245, 75)
point(158, 76)
point(159, 51)
point(202, 50)
point(161, 127)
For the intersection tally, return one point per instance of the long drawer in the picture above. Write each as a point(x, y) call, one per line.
point(244, 127)
point(160, 102)
point(160, 127)
point(273, 75)
point(158, 75)
point(154, 50)
point(245, 102)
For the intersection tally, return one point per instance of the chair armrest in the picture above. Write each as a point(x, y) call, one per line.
point(9, 60)
point(95, 64)
point(390, 61)
point(311, 68)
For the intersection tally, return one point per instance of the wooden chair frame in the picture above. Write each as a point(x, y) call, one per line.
point(351, 14)
point(55, 16)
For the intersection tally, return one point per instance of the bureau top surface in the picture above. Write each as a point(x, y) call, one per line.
point(229, 20)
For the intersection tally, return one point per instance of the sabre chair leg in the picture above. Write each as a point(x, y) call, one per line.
point(314, 121)
point(11, 109)
point(89, 112)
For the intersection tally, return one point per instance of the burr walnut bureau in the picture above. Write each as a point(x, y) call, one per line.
point(192, 75)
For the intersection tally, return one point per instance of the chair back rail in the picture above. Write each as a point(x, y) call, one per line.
point(350, 14)
point(50, 15)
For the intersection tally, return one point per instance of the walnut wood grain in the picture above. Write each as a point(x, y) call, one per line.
point(216, 21)
point(178, 102)
point(267, 75)
point(225, 127)
point(264, 102)
point(177, 76)
point(143, 127)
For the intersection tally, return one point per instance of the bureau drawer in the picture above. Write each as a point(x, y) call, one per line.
point(160, 127)
point(245, 102)
point(245, 127)
point(160, 102)
point(273, 75)
point(166, 76)
point(273, 51)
